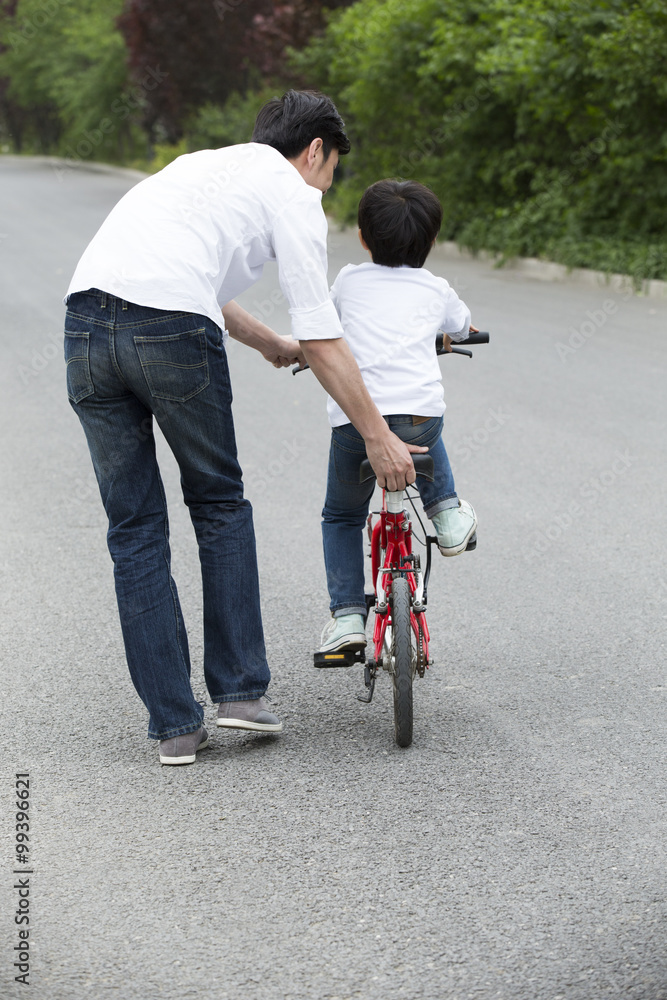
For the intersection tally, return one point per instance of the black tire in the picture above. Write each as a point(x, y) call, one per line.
point(401, 649)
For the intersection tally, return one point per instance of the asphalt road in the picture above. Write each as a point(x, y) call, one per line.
point(517, 849)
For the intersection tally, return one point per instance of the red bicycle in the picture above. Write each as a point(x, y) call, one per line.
point(400, 634)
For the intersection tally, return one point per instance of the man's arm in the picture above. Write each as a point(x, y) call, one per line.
point(335, 368)
point(246, 328)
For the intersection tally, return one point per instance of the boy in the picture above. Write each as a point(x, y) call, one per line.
point(391, 311)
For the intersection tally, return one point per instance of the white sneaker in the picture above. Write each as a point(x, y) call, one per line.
point(345, 632)
point(454, 528)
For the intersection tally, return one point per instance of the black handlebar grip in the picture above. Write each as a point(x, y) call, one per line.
point(474, 338)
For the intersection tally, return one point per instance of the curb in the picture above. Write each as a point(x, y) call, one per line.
point(548, 270)
point(88, 166)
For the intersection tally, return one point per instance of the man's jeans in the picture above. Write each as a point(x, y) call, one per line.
point(347, 500)
point(126, 365)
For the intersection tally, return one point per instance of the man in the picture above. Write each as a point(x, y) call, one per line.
point(149, 309)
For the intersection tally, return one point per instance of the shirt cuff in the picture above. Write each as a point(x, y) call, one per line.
point(320, 323)
point(458, 335)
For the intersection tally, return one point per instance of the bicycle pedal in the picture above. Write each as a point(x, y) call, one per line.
point(370, 672)
point(472, 544)
point(339, 658)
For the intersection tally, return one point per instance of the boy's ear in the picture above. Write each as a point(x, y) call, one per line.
point(363, 241)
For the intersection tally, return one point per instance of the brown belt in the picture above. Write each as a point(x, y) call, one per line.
point(419, 420)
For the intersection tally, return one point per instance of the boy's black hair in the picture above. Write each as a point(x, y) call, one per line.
point(399, 221)
point(291, 122)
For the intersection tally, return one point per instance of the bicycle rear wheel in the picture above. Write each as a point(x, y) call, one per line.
point(402, 659)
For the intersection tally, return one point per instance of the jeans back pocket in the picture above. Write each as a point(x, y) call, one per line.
point(77, 359)
point(176, 366)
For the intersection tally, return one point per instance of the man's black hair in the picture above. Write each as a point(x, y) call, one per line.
point(399, 221)
point(291, 122)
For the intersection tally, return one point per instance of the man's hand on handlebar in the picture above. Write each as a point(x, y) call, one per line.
point(284, 352)
point(281, 352)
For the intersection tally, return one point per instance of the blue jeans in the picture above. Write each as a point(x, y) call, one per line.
point(347, 500)
point(128, 365)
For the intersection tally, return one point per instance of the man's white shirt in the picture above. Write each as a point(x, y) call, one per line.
point(391, 317)
point(198, 233)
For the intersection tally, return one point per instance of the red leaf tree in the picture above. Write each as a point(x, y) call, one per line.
point(194, 48)
point(290, 24)
point(210, 48)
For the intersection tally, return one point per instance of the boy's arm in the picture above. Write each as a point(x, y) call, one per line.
point(447, 340)
point(334, 366)
point(456, 317)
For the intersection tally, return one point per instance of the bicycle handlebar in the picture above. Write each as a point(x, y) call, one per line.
point(482, 337)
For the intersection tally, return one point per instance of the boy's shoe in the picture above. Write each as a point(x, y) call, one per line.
point(345, 632)
point(454, 528)
point(252, 714)
point(183, 749)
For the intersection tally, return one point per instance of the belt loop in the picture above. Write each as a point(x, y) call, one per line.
point(124, 304)
point(103, 301)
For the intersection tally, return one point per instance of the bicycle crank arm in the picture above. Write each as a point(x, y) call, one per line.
point(370, 673)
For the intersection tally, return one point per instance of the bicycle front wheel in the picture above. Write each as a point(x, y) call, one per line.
point(401, 655)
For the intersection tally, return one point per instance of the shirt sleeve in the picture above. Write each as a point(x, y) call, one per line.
point(335, 292)
point(456, 315)
point(300, 246)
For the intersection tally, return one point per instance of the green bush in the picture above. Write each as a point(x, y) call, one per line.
point(214, 126)
point(541, 125)
point(67, 85)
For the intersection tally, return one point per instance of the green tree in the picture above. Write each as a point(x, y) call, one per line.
point(541, 125)
point(66, 69)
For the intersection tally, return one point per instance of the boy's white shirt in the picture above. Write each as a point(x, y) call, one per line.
point(390, 318)
point(197, 233)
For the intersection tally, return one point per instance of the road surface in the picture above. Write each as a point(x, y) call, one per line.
point(517, 849)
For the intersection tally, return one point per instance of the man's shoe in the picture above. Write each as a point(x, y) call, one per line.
point(253, 715)
point(183, 749)
point(345, 632)
point(455, 528)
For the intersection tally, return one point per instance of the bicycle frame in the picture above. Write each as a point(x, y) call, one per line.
point(391, 535)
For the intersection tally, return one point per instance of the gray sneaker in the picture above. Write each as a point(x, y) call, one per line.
point(342, 633)
point(455, 527)
point(252, 714)
point(183, 749)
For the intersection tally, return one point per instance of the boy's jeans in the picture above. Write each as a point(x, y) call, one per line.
point(347, 500)
point(126, 365)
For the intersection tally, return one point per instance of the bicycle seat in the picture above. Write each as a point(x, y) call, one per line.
point(423, 467)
